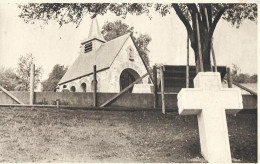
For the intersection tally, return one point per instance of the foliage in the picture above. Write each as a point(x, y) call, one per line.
point(208, 18)
point(239, 77)
point(8, 78)
point(234, 13)
point(253, 78)
point(19, 79)
point(23, 72)
point(142, 43)
point(112, 30)
point(54, 77)
point(65, 13)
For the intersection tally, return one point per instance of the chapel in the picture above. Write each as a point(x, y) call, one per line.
point(118, 64)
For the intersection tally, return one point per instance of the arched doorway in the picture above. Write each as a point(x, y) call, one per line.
point(83, 87)
point(127, 77)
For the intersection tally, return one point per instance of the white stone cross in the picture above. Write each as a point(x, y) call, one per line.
point(210, 102)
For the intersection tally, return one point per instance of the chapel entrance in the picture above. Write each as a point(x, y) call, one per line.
point(127, 77)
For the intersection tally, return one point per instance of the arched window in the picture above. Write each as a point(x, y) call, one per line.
point(72, 89)
point(83, 87)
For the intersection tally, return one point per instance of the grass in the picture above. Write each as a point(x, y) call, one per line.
point(60, 135)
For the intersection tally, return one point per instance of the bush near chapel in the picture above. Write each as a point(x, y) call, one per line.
point(54, 77)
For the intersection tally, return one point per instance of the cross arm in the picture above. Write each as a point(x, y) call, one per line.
point(189, 103)
point(231, 100)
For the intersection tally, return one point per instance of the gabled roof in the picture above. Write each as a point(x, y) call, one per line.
point(102, 58)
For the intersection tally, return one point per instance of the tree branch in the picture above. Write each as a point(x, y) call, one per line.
point(182, 18)
point(209, 11)
point(193, 11)
point(193, 7)
point(203, 16)
point(100, 9)
point(216, 20)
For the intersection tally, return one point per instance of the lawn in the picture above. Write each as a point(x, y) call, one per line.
point(61, 135)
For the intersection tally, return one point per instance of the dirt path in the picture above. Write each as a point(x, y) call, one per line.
point(52, 135)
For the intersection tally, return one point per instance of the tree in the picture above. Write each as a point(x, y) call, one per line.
point(23, 72)
point(8, 78)
point(112, 30)
point(239, 77)
point(208, 18)
point(54, 77)
point(253, 78)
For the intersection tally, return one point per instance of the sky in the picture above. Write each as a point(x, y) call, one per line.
point(51, 44)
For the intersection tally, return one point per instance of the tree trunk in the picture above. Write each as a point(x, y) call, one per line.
point(205, 42)
point(205, 45)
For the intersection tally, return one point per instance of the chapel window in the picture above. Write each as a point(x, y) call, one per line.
point(83, 87)
point(72, 89)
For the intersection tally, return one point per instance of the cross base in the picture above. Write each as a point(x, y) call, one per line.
point(214, 139)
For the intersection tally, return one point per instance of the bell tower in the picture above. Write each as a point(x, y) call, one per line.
point(95, 38)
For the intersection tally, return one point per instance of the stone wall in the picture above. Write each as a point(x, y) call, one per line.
point(136, 100)
point(132, 100)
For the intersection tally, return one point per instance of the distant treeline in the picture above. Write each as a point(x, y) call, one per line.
point(245, 78)
point(242, 77)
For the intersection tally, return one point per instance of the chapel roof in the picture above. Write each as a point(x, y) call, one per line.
point(102, 58)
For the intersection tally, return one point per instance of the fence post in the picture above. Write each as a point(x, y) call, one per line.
point(32, 74)
point(229, 79)
point(155, 90)
point(58, 103)
point(43, 100)
point(94, 85)
point(162, 88)
point(188, 65)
